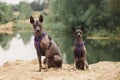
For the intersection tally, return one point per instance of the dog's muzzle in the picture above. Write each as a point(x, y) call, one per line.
point(78, 35)
point(37, 29)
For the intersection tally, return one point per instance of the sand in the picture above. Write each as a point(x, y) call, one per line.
point(28, 70)
point(6, 28)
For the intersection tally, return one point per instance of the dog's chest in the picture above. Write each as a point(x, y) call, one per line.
point(79, 49)
point(79, 46)
point(41, 43)
point(44, 43)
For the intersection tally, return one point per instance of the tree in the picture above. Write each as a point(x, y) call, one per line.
point(114, 5)
point(5, 13)
point(93, 14)
point(25, 10)
point(37, 6)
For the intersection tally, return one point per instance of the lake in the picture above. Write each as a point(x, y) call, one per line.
point(20, 46)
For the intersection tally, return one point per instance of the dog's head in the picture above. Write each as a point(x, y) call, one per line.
point(78, 32)
point(37, 24)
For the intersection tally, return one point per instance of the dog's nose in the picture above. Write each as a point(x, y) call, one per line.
point(38, 31)
point(78, 35)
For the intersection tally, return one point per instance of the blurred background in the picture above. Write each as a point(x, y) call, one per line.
point(100, 18)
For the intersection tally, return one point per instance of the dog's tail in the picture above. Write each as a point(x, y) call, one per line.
point(58, 60)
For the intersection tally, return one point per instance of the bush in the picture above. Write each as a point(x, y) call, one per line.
point(5, 13)
point(92, 14)
point(22, 26)
point(25, 10)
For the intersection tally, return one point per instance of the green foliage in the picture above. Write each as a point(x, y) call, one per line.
point(15, 7)
point(93, 14)
point(37, 6)
point(114, 5)
point(22, 26)
point(100, 50)
point(22, 16)
point(52, 27)
point(5, 13)
point(5, 40)
point(25, 10)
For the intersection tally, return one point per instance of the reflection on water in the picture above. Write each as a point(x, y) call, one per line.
point(103, 50)
point(21, 46)
point(17, 46)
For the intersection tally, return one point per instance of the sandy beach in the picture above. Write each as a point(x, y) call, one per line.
point(28, 70)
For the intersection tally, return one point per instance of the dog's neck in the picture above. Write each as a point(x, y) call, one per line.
point(78, 40)
point(40, 37)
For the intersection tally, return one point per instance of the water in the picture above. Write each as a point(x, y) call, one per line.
point(21, 46)
point(13, 47)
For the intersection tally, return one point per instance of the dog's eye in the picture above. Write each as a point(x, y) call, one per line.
point(75, 32)
point(34, 25)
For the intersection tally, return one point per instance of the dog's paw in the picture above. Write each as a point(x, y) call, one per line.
point(86, 67)
point(39, 70)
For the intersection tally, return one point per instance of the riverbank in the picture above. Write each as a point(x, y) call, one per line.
point(7, 28)
point(28, 70)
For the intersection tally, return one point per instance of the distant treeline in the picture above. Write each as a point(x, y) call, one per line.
point(95, 15)
point(7, 12)
point(100, 16)
point(36, 5)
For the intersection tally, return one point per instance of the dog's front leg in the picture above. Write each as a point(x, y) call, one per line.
point(85, 62)
point(39, 60)
point(74, 58)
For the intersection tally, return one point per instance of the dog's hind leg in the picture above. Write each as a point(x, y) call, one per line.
point(80, 64)
point(86, 63)
point(58, 60)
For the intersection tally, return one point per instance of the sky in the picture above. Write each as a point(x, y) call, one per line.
point(15, 1)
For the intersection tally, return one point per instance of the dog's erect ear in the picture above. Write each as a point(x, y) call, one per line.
point(41, 18)
point(82, 28)
point(31, 20)
point(73, 29)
